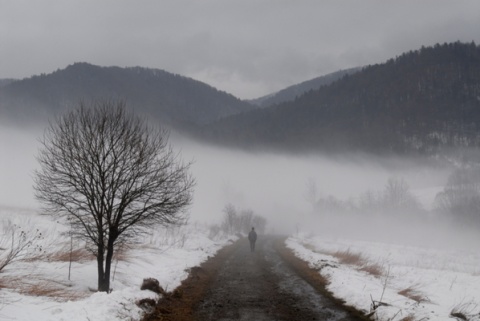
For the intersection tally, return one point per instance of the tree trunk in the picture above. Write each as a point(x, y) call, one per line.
point(108, 262)
point(103, 281)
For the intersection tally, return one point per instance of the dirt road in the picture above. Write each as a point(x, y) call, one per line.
point(268, 284)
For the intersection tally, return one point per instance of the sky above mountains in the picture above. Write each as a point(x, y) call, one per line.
point(248, 48)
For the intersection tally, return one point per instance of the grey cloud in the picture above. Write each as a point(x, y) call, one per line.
point(248, 48)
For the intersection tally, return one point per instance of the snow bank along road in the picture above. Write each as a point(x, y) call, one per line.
point(269, 284)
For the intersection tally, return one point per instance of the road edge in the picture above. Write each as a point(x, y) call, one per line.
point(179, 304)
point(313, 277)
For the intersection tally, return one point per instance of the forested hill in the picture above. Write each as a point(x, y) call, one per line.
point(4, 82)
point(423, 101)
point(291, 92)
point(166, 97)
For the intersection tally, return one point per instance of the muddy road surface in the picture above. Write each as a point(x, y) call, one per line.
point(268, 284)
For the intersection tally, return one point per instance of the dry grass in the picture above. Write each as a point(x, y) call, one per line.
point(52, 290)
point(414, 294)
point(63, 255)
point(373, 269)
point(464, 311)
point(8, 282)
point(43, 288)
point(78, 255)
point(122, 254)
point(35, 258)
point(350, 258)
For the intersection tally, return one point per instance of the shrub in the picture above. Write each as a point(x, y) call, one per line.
point(152, 285)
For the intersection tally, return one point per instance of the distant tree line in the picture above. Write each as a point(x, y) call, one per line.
point(458, 203)
point(395, 198)
point(460, 198)
point(238, 222)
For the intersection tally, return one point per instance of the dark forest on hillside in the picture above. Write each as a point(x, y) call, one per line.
point(421, 102)
point(161, 96)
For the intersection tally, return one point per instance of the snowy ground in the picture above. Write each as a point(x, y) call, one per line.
point(38, 288)
point(413, 283)
point(404, 282)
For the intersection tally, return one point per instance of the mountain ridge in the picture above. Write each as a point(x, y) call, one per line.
point(170, 98)
point(291, 92)
point(422, 101)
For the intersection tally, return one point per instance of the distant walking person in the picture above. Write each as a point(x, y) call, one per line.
point(252, 237)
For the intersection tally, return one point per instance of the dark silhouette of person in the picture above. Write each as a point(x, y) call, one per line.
point(252, 237)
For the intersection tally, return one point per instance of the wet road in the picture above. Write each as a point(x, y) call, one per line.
point(262, 286)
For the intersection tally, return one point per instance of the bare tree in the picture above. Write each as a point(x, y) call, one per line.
point(17, 244)
point(112, 176)
point(461, 196)
point(245, 221)
point(369, 201)
point(241, 223)
point(311, 193)
point(230, 219)
point(397, 196)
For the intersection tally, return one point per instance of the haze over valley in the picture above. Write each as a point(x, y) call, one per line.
point(265, 158)
point(240, 160)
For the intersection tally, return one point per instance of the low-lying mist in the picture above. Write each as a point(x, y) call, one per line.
point(18, 147)
point(275, 186)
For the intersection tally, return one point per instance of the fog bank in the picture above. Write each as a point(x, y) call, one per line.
point(275, 185)
point(271, 185)
point(18, 147)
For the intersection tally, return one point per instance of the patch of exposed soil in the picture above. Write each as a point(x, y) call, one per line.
point(268, 284)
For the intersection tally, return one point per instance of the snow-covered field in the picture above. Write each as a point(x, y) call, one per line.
point(38, 287)
point(402, 282)
point(395, 281)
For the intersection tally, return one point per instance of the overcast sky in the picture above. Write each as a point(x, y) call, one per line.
point(246, 47)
